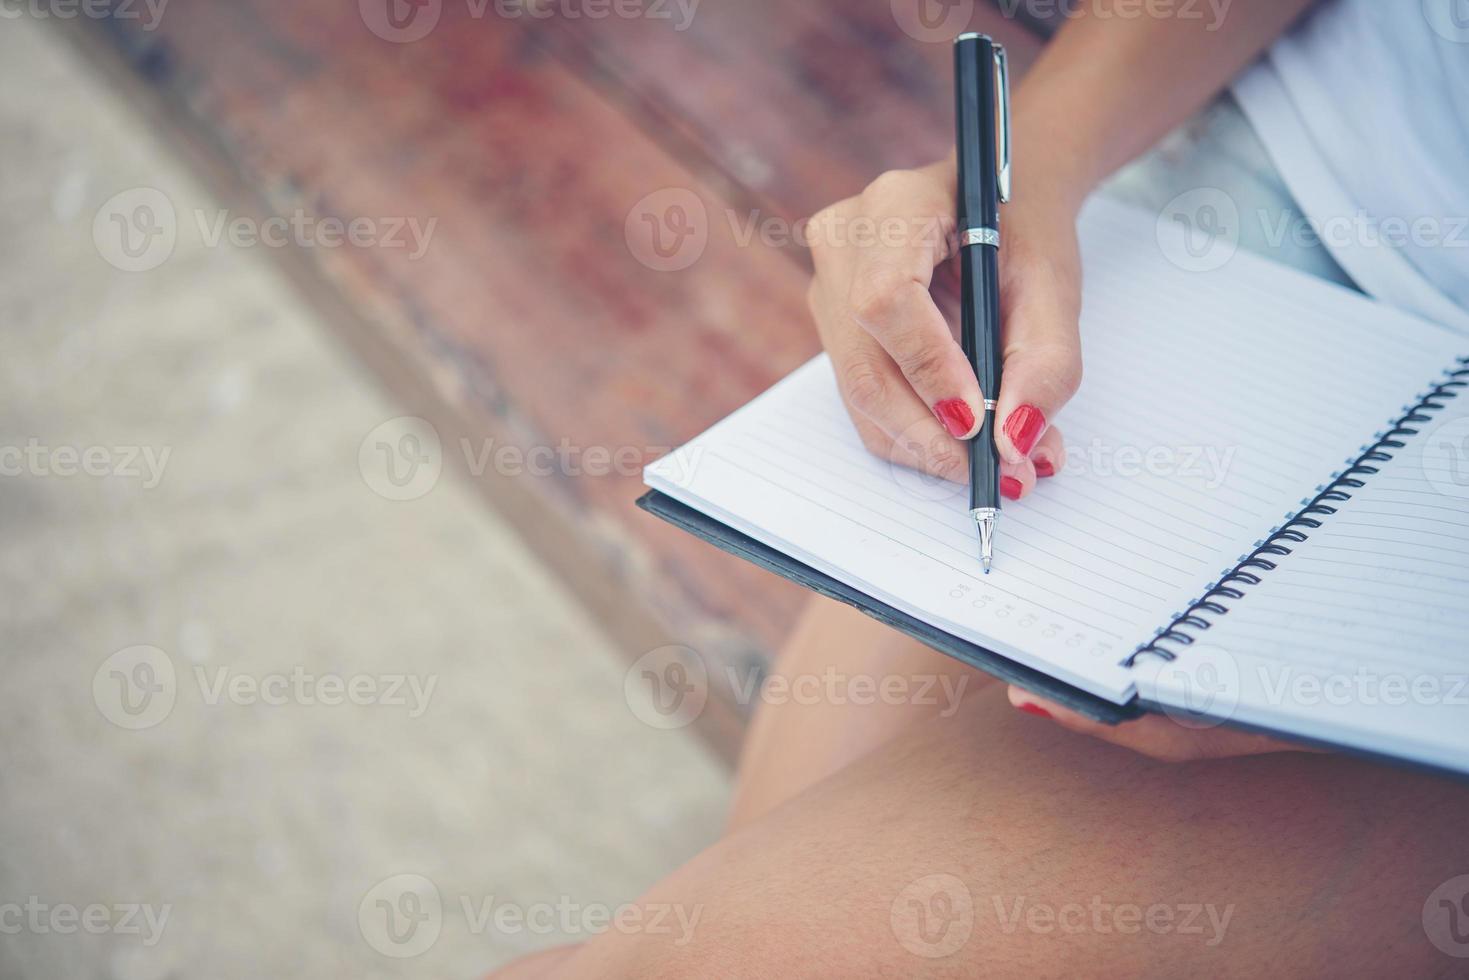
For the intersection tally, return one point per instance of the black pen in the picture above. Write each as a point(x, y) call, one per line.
point(982, 128)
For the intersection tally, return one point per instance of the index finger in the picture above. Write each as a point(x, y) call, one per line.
point(890, 296)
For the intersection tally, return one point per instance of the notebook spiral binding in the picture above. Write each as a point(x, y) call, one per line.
point(1247, 572)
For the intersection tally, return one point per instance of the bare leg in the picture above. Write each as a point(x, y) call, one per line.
point(985, 842)
point(796, 741)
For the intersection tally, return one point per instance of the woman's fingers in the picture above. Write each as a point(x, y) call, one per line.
point(1049, 455)
point(890, 296)
point(874, 389)
point(879, 397)
point(897, 362)
point(1016, 479)
point(1042, 354)
point(1156, 736)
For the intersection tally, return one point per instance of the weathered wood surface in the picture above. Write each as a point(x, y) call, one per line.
point(534, 318)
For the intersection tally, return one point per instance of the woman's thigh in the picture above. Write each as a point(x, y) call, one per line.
point(842, 685)
point(986, 842)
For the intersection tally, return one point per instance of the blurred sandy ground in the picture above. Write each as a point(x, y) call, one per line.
point(526, 782)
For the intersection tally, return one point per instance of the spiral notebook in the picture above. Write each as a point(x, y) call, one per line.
point(1263, 519)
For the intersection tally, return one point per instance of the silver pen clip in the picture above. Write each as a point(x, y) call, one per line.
point(1002, 83)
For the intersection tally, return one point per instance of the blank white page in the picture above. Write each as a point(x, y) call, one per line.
point(1213, 404)
point(1358, 635)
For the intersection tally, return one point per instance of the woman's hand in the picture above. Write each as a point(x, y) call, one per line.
point(902, 374)
point(1158, 736)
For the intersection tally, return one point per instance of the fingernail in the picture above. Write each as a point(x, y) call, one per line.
point(956, 416)
point(1010, 487)
point(1044, 467)
point(1031, 708)
point(1024, 427)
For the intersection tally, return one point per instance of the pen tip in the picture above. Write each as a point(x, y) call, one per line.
point(986, 522)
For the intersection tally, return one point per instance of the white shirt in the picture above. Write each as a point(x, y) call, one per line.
point(1364, 109)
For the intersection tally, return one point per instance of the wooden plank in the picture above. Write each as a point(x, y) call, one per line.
point(798, 104)
point(542, 314)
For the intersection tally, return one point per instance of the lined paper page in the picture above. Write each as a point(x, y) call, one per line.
point(1212, 405)
point(1359, 634)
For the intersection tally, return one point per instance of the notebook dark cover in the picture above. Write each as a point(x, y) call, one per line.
point(727, 539)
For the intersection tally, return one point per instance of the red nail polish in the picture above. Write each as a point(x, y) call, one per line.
point(1034, 709)
point(1010, 487)
point(1044, 467)
point(1024, 427)
point(956, 416)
